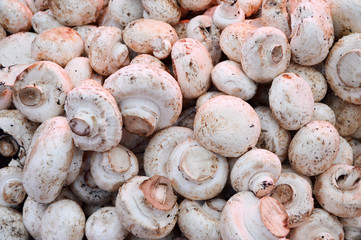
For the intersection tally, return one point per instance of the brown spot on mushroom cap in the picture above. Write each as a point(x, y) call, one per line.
point(158, 192)
point(274, 216)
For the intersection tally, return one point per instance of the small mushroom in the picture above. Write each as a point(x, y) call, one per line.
point(164, 10)
point(247, 217)
point(195, 172)
point(218, 128)
point(60, 45)
point(149, 98)
point(15, 16)
point(42, 21)
point(147, 207)
point(40, 91)
point(291, 101)
point(257, 171)
point(105, 224)
point(337, 190)
point(320, 225)
point(12, 226)
point(48, 160)
point(200, 220)
point(11, 187)
point(274, 13)
point(323, 112)
point(33, 212)
point(295, 193)
point(342, 68)
point(228, 12)
point(63, 219)
point(345, 154)
point(124, 11)
point(351, 227)
point(79, 69)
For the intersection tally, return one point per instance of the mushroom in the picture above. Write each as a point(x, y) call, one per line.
point(291, 101)
point(195, 172)
point(342, 70)
point(60, 45)
point(257, 170)
point(114, 167)
point(250, 7)
point(33, 212)
point(150, 36)
point(314, 147)
point(320, 225)
point(218, 128)
point(94, 117)
point(274, 13)
point(75, 166)
point(12, 226)
point(11, 187)
point(163, 10)
point(135, 143)
point(247, 217)
point(195, 5)
point(106, 20)
point(337, 190)
point(228, 12)
point(123, 11)
point(83, 32)
point(295, 193)
point(40, 91)
point(41, 5)
point(181, 28)
point(149, 98)
point(79, 69)
point(286, 168)
point(351, 227)
point(48, 160)
point(192, 66)
point(42, 21)
point(15, 16)
point(147, 207)
point(105, 224)
point(151, 60)
point(263, 52)
point(106, 53)
point(322, 111)
point(160, 147)
point(63, 219)
point(345, 154)
point(81, 12)
point(206, 96)
point(229, 78)
point(200, 220)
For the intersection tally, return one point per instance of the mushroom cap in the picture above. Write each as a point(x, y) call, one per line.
point(63, 219)
point(149, 59)
point(48, 160)
point(218, 128)
point(164, 10)
point(77, 13)
point(83, 32)
point(274, 13)
point(40, 91)
point(125, 11)
point(345, 154)
point(291, 101)
point(78, 69)
point(15, 16)
point(322, 111)
point(42, 21)
point(226, 13)
point(342, 68)
point(94, 117)
point(12, 226)
point(250, 7)
point(160, 147)
point(139, 216)
point(192, 66)
point(206, 96)
point(16, 49)
point(314, 147)
point(11, 187)
point(337, 189)
point(352, 227)
point(60, 45)
point(105, 224)
point(75, 166)
point(195, 5)
point(33, 212)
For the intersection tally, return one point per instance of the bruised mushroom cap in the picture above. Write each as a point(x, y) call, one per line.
point(351, 227)
point(257, 170)
point(76, 13)
point(16, 49)
point(218, 128)
point(105, 224)
point(274, 13)
point(314, 147)
point(40, 91)
point(228, 77)
point(125, 11)
point(291, 101)
point(345, 154)
point(11, 187)
point(195, 172)
point(322, 111)
point(114, 167)
point(33, 212)
point(42, 21)
point(48, 160)
point(164, 10)
point(63, 219)
point(160, 147)
point(247, 217)
point(147, 207)
point(295, 193)
point(94, 117)
point(342, 68)
point(106, 53)
point(320, 225)
point(337, 189)
point(200, 220)
point(15, 16)
point(12, 226)
point(150, 36)
point(192, 66)
point(149, 98)
point(60, 45)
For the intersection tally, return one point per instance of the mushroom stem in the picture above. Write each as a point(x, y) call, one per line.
point(283, 193)
point(214, 207)
point(161, 48)
point(348, 180)
point(83, 123)
point(8, 146)
point(31, 96)
point(119, 160)
point(276, 54)
point(229, 9)
point(262, 184)
point(89, 180)
point(348, 68)
point(140, 115)
point(13, 191)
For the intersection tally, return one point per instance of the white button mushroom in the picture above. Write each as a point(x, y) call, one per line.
point(206, 96)
point(15, 16)
point(75, 166)
point(250, 7)
point(11, 187)
point(322, 111)
point(124, 11)
point(149, 98)
point(195, 5)
point(164, 10)
point(12, 226)
point(351, 227)
point(274, 13)
point(32, 214)
point(42, 21)
point(228, 12)
point(149, 59)
point(79, 69)
point(345, 154)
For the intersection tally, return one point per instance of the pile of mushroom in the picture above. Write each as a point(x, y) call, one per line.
point(180, 119)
